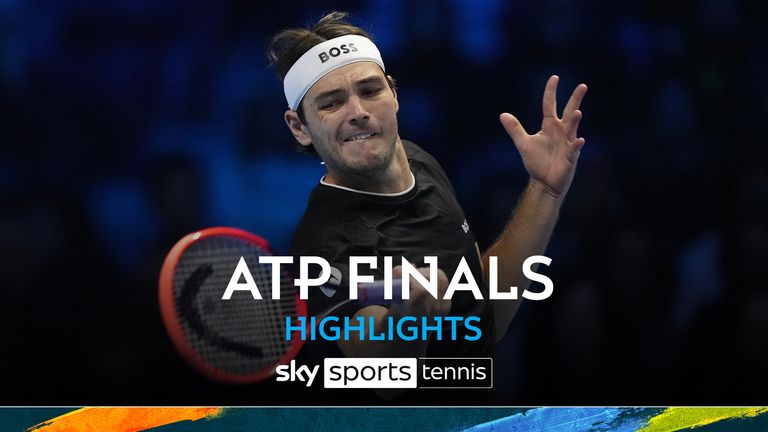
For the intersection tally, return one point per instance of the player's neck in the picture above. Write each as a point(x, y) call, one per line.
point(395, 179)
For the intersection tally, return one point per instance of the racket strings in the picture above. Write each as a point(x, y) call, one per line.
point(242, 335)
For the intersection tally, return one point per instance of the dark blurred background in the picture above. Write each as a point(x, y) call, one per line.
point(126, 124)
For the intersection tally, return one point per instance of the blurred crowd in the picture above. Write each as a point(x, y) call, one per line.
point(125, 125)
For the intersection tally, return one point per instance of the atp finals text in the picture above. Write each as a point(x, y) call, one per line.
point(462, 280)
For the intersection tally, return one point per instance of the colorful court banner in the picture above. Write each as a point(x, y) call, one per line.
point(550, 419)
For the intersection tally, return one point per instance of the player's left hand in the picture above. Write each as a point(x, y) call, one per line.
point(550, 155)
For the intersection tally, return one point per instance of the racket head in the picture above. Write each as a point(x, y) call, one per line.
point(237, 341)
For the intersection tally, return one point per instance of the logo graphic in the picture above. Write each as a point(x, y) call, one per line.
point(465, 226)
point(328, 291)
point(337, 51)
point(334, 280)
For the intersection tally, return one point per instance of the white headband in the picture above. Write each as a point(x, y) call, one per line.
point(323, 58)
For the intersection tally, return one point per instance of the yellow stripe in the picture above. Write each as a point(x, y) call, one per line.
point(677, 418)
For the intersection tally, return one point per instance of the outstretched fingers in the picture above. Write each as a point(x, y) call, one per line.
point(549, 101)
point(572, 125)
point(575, 150)
point(513, 127)
point(578, 144)
point(575, 101)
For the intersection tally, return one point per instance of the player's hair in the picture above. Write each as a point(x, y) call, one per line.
point(288, 45)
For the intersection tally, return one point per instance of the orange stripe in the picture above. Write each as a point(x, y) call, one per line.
point(121, 419)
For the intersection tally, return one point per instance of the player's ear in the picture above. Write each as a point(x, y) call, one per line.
point(297, 128)
point(397, 105)
point(393, 87)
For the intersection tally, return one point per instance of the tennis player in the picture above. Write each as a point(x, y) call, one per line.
point(385, 196)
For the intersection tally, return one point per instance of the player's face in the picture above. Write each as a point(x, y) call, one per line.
point(351, 119)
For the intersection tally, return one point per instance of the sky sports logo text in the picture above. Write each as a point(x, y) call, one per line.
point(429, 372)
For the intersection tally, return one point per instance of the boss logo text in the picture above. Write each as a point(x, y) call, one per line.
point(337, 51)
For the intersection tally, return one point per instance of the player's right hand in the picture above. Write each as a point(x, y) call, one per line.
point(421, 302)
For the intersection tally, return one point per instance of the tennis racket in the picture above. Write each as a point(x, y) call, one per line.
point(240, 340)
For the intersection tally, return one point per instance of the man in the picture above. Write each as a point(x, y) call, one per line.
point(383, 196)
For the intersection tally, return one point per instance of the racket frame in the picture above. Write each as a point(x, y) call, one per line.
point(171, 317)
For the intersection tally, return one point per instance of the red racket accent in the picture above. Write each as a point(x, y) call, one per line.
point(219, 345)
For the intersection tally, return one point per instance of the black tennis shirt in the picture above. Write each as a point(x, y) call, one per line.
point(426, 220)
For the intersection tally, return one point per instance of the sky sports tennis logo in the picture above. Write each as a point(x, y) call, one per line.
point(424, 373)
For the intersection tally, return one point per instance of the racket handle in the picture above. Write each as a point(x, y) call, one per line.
point(373, 293)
